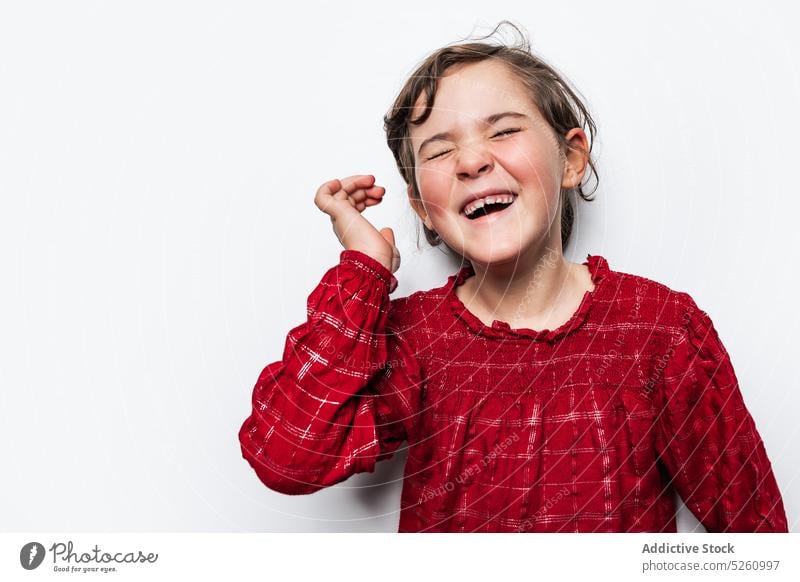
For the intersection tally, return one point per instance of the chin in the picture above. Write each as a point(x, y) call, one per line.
point(497, 250)
point(494, 255)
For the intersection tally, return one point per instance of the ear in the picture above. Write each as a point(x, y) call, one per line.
point(418, 207)
point(575, 160)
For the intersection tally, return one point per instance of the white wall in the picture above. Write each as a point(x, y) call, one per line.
point(158, 238)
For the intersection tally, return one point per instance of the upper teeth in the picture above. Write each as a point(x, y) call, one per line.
point(494, 199)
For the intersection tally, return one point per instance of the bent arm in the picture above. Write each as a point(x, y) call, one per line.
point(345, 394)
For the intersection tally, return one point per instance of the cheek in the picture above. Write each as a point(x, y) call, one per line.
point(435, 190)
point(538, 174)
point(532, 167)
point(543, 209)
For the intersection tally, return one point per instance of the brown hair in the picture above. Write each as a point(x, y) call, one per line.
point(550, 92)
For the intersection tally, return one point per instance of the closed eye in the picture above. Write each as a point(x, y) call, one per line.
point(506, 131)
point(437, 155)
point(499, 133)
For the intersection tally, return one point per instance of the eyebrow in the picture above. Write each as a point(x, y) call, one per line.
point(493, 118)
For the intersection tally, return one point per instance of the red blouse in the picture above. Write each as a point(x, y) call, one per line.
point(584, 428)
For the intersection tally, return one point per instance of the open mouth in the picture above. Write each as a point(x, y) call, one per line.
point(478, 210)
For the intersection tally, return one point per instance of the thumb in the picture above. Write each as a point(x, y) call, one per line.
point(388, 234)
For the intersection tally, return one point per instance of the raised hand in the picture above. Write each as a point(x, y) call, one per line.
point(344, 201)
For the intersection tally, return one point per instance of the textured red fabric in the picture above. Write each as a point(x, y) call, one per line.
point(584, 428)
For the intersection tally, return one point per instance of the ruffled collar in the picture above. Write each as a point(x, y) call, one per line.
point(598, 268)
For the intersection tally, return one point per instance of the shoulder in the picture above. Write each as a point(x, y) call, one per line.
point(671, 324)
point(414, 309)
point(654, 300)
point(419, 310)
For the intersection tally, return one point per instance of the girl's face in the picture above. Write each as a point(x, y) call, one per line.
point(485, 134)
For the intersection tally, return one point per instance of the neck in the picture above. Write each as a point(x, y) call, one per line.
point(528, 289)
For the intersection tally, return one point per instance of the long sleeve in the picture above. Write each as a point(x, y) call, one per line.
point(707, 439)
point(346, 393)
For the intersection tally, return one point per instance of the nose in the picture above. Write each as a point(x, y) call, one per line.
point(473, 161)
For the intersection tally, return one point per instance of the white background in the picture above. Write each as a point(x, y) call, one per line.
point(158, 237)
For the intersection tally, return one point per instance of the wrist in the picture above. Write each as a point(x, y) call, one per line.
point(371, 264)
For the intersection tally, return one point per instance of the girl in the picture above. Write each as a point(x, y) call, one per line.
point(535, 394)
